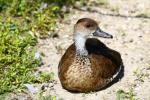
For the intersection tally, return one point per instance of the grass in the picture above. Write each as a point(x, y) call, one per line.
point(103, 2)
point(122, 95)
point(3, 97)
point(121, 31)
point(49, 97)
point(45, 77)
point(40, 18)
point(141, 74)
point(115, 9)
point(16, 57)
point(21, 22)
point(40, 96)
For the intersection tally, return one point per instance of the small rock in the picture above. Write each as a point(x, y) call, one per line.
point(126, 54)
point(55, 35)
point(131, 40)
point(141, 59)
point(31, 88)
point(37, 55)
point(44, 86)
point(51, 85)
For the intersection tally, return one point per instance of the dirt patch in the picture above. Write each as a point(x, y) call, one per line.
point(131, 39)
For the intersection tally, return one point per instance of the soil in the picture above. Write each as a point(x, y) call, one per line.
point(129, 23)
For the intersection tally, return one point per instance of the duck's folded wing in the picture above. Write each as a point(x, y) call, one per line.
point(103, 67)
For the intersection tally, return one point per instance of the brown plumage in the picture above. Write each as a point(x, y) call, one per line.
point(89, 68)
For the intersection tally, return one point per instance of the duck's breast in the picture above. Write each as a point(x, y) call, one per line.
point(80, 74)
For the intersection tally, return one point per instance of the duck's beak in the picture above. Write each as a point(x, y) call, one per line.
point(101, 33)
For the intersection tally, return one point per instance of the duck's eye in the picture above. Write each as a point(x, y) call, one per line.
point(88, 25)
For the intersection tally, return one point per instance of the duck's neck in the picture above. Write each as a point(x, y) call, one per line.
point(80, 45)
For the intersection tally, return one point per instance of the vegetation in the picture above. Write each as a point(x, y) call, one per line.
point(122, 95)
point(38, 16)
point(20, 22)
point(103, 2)
point(16, 57)
point(49, 97)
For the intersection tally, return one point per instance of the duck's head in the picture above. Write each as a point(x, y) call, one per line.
point(83, 29)
point(86, 27)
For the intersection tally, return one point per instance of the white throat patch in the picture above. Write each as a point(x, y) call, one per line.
point(80, 45)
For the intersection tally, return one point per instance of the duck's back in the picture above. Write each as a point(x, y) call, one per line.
point(88, 73)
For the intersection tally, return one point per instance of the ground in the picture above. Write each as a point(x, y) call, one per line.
point(129, 23)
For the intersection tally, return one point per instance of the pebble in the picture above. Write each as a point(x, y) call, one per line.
point(31, 88)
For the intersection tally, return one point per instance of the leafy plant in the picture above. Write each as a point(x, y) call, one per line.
point(16, 57)
point(103, 2)
point(45, 77)
point(20, 21)
point(49, 97)
point(39, 15)
point(122, 95)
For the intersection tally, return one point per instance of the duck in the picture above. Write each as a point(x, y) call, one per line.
point(88, 64)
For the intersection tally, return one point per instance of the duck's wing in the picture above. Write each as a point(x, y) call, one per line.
point(103, 67)
point(105, 62)
point(66, 60)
